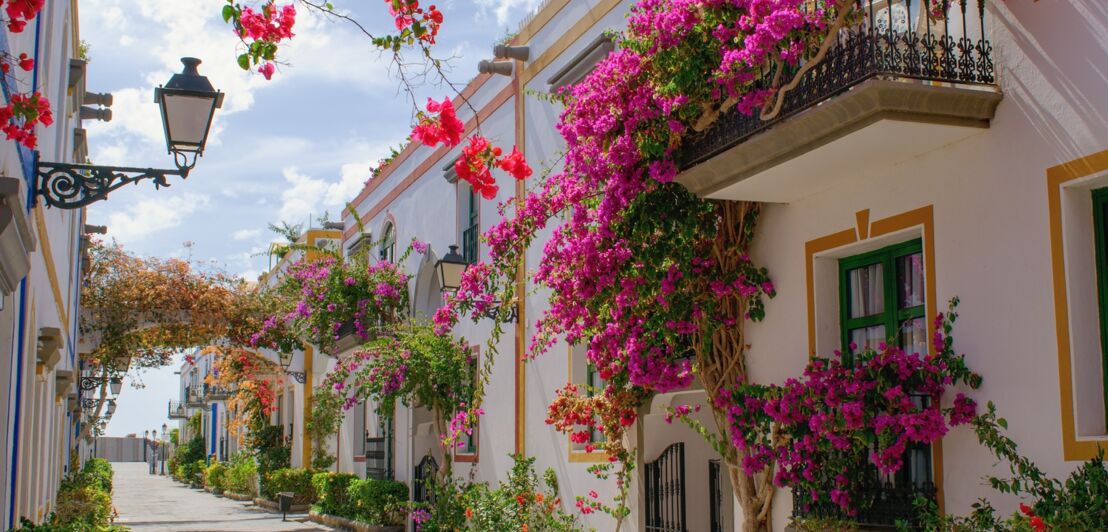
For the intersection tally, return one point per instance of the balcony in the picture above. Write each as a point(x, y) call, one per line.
point(880, 506)
point(216, 393)
point(177, 410)
point(895, 86)
point(193, 397)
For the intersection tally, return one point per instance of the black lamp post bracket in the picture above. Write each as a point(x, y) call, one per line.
point(72, 186)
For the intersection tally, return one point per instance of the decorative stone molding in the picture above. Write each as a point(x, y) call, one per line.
point(49, 346)
point(17, 241)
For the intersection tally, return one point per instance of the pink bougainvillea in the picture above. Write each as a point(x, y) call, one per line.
point(823, 430)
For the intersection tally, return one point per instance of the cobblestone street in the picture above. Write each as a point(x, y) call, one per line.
point(146, 502)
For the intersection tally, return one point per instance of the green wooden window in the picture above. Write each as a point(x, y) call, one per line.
point(388, 244)
point(469, 233)
point(1100, 218)
point(469, 441)
point(882, 300)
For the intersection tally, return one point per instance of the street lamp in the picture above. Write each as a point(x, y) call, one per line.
point(286, 360)
point(187, 104)
point(111, 407)
point(450, 270)
point(145, 444)
point(165, 433)
point(116, 384)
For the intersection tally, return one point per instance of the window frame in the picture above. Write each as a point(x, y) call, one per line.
point(891, 318)
point(466, 454)
point(1099, 199)
point(387, 249)
point(886, 256)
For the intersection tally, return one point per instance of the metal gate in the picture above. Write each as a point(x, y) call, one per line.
point(421, 477)
point(665, 491)
point(378, 454)
point(715, 495)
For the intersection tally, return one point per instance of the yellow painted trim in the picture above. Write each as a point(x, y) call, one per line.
point(576, 456)
point(568, 38)
point(539, 21)
point(1056, 176)
point(309, 353)
point(521, 285)
point(923, 217)
point(51, 272)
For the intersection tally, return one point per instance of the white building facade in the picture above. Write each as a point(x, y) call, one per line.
point(41, 251)
point(885, 195)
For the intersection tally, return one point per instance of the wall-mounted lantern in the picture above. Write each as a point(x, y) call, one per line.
point(187, 104)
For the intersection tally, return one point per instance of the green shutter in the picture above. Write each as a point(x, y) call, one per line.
point(1100, 218)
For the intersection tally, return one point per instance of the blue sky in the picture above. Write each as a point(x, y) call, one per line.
point(283, 150)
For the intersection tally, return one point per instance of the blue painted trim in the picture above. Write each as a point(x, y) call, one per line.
point(18, 410)
point(215, 425)
point(9, 84)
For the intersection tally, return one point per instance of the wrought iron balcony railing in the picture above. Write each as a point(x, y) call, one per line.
point(882, 504)
point(895, 39)
point(213, 392)
point(193, 397)
point(177, 410)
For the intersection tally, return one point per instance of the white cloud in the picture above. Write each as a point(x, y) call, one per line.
point(503, 9)
point(306, 197)
point(246, 234)
point(146, 217)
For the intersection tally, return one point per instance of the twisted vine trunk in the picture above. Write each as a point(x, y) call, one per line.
point(721, 360)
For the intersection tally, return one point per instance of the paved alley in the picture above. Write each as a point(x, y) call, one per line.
point(146, 502)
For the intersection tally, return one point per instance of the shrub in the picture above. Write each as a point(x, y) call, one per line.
point(331, 490)
point(83, 507)
point(378, 502)
point(98, 472)
point(241, 476)
point(298, 481)
point(214, 476)
point(193, 472)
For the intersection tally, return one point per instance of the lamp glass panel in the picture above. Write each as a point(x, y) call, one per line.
point(451, 275)
point(186, 119)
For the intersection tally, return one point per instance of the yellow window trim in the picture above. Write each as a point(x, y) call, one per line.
point(1057, 176)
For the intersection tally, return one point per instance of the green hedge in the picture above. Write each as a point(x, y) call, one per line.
point(84, 502)
point(214, 476)
point(377, 502)
point(298, 481)
point(331, 490)
point(99, 473)
point(242, 475)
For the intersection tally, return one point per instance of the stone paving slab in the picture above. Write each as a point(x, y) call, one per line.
point(156, 503)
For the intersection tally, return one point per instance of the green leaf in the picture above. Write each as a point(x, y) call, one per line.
point(244, 61)
point(329, 6)
point(228, 13)
point(1002, 422)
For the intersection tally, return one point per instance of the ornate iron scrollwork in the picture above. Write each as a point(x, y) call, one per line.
point(90, 383)
point(298, 376)
point(72, 186)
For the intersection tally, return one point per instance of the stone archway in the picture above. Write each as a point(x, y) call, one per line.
point(427, 296)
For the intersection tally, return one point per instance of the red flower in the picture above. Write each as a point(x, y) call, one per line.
point(266, 70)
point(1026, 509)
point(26, 63)
point(516, 164)
point(521, 500)
point(1037, 523)
point(445, 128)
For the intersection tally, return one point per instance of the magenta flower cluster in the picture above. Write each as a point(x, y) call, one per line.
point(828, 431)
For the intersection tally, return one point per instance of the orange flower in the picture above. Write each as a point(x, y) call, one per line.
point(524, 528)
point(539, 498)
point(469, 513)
